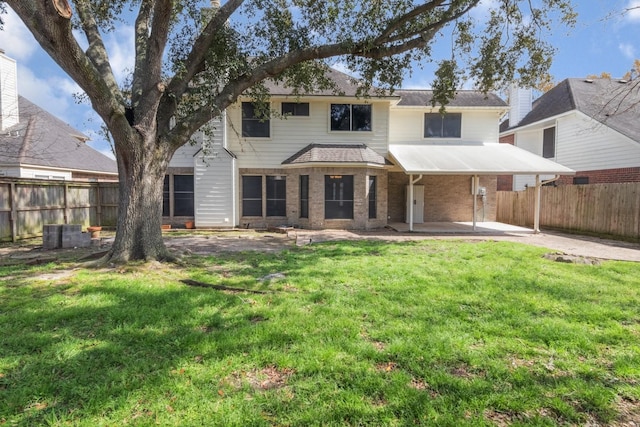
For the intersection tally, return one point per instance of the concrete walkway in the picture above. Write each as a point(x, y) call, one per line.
point(569, 244)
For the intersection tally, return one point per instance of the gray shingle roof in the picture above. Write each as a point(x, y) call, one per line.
point(336, 153)
point(463, 98)
point(345, 85)
point(615, 104)
point(41, 139)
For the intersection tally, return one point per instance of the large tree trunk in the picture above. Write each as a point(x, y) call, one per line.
point(142, 167)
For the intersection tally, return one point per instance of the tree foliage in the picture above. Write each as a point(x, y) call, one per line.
point(193, 59)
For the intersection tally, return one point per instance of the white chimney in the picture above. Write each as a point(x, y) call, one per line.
point(8, 92)
point(215, 4)
point(520, 101)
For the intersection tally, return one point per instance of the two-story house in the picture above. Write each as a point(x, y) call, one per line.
point(323, 160)
point(589, 125)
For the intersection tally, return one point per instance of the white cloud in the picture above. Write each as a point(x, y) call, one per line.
point(633, 10)
point(121, 48)
point(628, 50)
point(16, 40)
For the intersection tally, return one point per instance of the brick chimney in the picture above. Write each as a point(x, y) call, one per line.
point(8, 92)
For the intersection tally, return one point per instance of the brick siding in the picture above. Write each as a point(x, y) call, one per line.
point(605, 176)
point(447, 198)
point(316, 218)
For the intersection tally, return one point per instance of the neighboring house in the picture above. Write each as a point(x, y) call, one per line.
point(35, 144)
point(589, 125)
point(340, 161)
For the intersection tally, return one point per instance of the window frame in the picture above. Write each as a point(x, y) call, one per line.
point(263, 123)
point(246, 200)
point(442, 121)
point(303, 196)
point(549, 144)
point(169, 199)
point(350, 118)
point(276, 198)
point(372, 195)
point(341, 201)
point(295, 114)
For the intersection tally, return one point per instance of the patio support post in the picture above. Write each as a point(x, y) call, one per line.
point(475, 199)
point(410, 202)
point(536, 211)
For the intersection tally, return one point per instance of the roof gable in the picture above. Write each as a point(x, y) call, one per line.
point(613, 103)
point(41, 139)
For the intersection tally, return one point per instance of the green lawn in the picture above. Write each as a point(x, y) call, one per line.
point(356, 333)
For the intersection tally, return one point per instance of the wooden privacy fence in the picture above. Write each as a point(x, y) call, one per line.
point(28, 204)
point(608, 209)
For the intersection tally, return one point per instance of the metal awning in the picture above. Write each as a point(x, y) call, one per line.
point(472, 159)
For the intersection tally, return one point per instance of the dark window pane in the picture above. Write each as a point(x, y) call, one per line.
point(253, 124)
point(451, 126)
point(581, 180)
point(276, 196)
point(183, 204)
point(183, 183)
point(361, 117)
point(340, 117)
point(295, 108)
point(338, 194)
point(183, 195)
point(372, 197)
point(252, 196)
point(165, 196)
point(437, 125)
point(549, 143)
point(304, 196)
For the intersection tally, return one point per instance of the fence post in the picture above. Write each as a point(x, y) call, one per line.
point(66, 203)
point(13, 199)
point(98, 204)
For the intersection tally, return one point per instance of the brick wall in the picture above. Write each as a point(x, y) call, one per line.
point(447, 198)
point(316, 218)
point(605, 176)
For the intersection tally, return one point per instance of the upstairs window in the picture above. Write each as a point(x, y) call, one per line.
point(254, 122)
point(350, 117)
point(549, 143)
point(438, 125)
point(296, 109)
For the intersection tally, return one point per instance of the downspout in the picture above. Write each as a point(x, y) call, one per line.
point(411, 202)
point(536, 211)
point(475, 199)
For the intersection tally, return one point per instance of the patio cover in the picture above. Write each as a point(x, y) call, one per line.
point(472, 159)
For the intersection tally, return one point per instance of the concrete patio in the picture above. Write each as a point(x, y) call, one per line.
point(460, 228)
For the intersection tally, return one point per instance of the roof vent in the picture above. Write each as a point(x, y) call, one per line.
point(588, 80)
point(623, 81)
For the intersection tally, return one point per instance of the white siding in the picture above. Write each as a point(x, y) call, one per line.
point(584, 144)
point(8, 92)
point(214, 190)
point(407, 126)
point(183, 157)
point(44, 174)
point(519, 104)
point(214, 187)
point(532, 142)
point(290, 135)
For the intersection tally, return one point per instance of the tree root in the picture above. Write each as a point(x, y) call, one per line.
point(195, 283)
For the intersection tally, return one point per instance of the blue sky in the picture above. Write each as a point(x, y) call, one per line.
point(602, 40)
